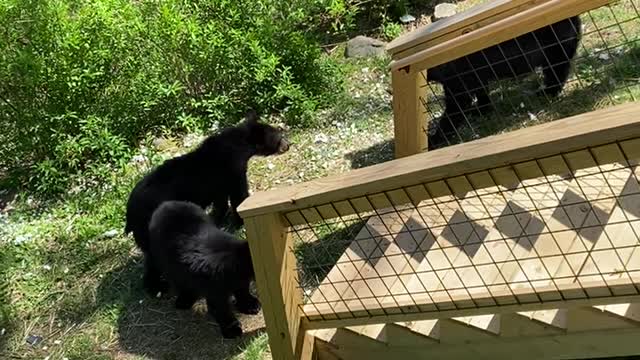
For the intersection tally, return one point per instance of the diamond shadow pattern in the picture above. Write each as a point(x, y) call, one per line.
point(579, 214)
point(453, 247)
point(630, 199)
point(515, 222)
point(465, 233)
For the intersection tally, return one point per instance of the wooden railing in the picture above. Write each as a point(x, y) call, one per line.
point(463, 34)
point(269, 215)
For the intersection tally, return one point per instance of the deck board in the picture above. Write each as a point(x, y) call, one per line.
point(571, 236)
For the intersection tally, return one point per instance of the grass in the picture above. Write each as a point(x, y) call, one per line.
point(256, 350)
point(69, 275)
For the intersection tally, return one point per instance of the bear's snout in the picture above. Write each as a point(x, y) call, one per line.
point(283, 147)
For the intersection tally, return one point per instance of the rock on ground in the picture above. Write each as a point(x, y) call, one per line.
point(364, 47)
point(444, 10)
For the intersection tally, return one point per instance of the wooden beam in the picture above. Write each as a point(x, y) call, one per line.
point(557, 265)
point(583, 345)
point(517, 325)
point(306, 349)
point(590, 129)
point(276, 279)
point(509, 28)
point(325, 350)
point(402, 312)
point(457, 25)
point(415, 333)
point(409, 114)
point(436, 333)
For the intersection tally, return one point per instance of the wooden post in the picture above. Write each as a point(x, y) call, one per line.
point(276, 278)
point(409, 115)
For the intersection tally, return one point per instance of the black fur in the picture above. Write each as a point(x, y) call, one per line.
point(199, 260)
point(216, 172)
point(551, 48)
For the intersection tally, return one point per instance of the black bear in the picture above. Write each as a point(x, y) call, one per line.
point(551, 48)
point(199, 260)
point(215, 172)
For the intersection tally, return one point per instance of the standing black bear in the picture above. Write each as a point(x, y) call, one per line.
point(199, 260)
point(551, 48)
point(215, 172)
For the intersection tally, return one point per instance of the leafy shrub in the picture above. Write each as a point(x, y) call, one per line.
point(391, 30)
point(347, 14)
point(379, 10)
point(81, 81)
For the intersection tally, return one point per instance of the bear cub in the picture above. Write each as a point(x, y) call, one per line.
point(199, 260)
point(550, 48)
point(214, 173)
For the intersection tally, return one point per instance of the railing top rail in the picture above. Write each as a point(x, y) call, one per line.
point(519, 23)
point(456, 25)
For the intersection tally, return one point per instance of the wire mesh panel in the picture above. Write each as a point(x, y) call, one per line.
point(551, 229)
point(573, 66)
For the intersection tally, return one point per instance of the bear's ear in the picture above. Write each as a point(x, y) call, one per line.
point(251, 116)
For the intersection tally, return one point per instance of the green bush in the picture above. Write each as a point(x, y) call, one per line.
point(374, 12)
point(82, 81)
point(390, 30)
point(350, 17)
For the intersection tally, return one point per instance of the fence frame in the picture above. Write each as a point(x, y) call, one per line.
point(463, 34)
point(271, 244)
point(483, 26)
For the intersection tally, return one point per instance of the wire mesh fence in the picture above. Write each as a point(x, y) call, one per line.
point(550, 229)
point(576, 65)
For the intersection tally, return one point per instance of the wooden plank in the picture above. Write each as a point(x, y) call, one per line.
point(354, 276)
point(325, 351)
point(606, 287)
point(583, 345)
point(350, 266)
point(629, 311)
point(348, 337)
point(590, 129)
point(429, 332)
point(487, 253)
point(394, 264)
point(374, 331)
point(590, 319)
point(471, 328)
point(406, 311)
point(416, 333)
point(276, 279)
point(525, 269)
point(456, 25)
point(306, 349)
point(555, 318)
point(456, 331)
point(515, 327)
point(561, 252)
point(564, 249)
point(409, 114)
point(511, 27)
point(423, 239)
point(518, 325)
point(414, 285)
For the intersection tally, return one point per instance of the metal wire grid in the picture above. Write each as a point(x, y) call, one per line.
point(543, 230)
point(605, 71)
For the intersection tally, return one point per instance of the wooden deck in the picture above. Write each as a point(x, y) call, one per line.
point(500, 234)
point(531, 245)
point(544, 243)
